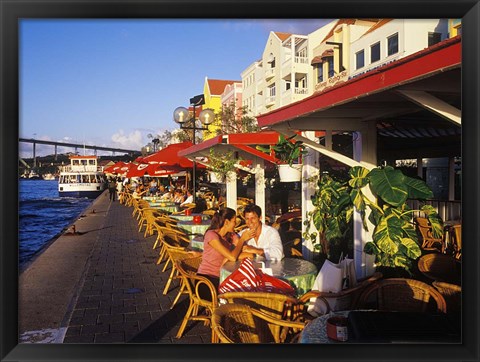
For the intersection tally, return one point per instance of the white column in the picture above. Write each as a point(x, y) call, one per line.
point(311, 167)
point(364, 150)
point(260, 185)
point(420, 167)
point(231, 182)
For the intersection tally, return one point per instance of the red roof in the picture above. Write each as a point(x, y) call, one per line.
point(282, 36)
point(217, 86)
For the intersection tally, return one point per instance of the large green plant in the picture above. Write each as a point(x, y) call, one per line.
point(222, 164)
point(286, 150)
point(395, 242)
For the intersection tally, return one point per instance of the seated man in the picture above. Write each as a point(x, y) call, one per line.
point(188, 200)
point(266, 242)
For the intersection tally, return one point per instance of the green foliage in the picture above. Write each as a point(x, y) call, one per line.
point(232, 120)
point(222, 164)
point(286, 150)
point(395, 242)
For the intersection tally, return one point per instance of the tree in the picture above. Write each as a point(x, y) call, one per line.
point(234, 120)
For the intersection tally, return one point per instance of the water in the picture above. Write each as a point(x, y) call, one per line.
point(43, 215)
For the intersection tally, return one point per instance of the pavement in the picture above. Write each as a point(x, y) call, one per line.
point(99, 283)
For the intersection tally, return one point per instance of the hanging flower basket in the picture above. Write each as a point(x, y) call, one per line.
point(290, 173)
point(214, 178)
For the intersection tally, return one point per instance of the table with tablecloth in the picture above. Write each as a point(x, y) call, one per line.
point(183, 217)
point(165, 206)
point(299, 273)
point(193, 229)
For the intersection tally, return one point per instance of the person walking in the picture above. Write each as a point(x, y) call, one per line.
point(112, 188)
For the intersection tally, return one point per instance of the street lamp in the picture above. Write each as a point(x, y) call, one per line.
point(181, 115)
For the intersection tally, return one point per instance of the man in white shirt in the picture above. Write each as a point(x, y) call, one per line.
point(266, 241)
point(188, 200)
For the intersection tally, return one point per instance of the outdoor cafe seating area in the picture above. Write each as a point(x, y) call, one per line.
point(285, 303)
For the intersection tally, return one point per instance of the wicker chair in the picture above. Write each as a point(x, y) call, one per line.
point(191, 264)
point(402, 295)
point(429, 242)
point(457, 241)
point(440, 267)
point(193, 284)
point(452, 294)
point(175, 254)
point(275, 305)
point(346, 299)
point(238, 323)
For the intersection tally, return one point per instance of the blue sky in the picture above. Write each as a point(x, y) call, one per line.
point(112, 82)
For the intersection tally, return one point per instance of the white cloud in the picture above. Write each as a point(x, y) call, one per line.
point(133, 140)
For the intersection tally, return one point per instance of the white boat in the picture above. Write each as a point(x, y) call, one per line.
point(48, 176)
point(82, 178)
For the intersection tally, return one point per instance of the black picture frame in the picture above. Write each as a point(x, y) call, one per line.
point(12, 10)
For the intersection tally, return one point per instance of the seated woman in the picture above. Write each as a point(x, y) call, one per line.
point(220, 244)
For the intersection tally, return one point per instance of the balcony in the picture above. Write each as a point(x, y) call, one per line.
point(269, 73)
point(269, 101)
point(301, 90)
point(301, 60)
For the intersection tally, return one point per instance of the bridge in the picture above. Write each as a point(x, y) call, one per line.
point(76, 146)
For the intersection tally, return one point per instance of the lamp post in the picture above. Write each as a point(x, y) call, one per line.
point(181, 115)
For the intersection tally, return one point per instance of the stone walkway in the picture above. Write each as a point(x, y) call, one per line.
point(121, 296)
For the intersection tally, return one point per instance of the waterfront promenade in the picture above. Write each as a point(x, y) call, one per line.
point(101, 285)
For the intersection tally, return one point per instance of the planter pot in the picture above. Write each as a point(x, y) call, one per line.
point(290, 173)
point(215, 179)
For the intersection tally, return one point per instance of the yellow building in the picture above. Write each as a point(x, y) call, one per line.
point(213, 90)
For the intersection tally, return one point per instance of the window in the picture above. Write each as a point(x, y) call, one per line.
point(287, 85)
point(272, 91)
point(392, 44)
point(434, 38)
point(360, 59)
point(331, 71)
point(320, 73)
point(375, 52)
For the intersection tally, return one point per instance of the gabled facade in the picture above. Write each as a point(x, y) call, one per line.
point(331, 56)
point(213, 90)
point(233, 93)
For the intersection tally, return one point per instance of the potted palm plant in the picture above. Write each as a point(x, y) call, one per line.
point(288, 152)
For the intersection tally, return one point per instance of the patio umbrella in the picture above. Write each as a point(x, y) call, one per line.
point(115, 168)
point(152, 169)
point(169, 156)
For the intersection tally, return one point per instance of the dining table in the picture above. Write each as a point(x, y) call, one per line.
point(183, 217)
point(297, 272)
point(196, 243)
point(375, 326)
point(165, 206)
point(194, 229)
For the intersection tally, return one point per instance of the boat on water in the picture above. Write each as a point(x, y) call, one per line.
point(82, 178)
point(49, 177)
point(31, 175)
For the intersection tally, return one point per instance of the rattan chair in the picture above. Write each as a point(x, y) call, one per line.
point(193, 284)
point(457, 241)
point(402, 295)
point(275, 305)
point(174, 254)
point(239, 323)
point(191, 264)
point(429, 242)
point(452, 294)
point(440, 267)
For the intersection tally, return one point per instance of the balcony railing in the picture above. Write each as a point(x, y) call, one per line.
point(269, 101)
point(301, 90)
point(269, 73)
point(301, 60)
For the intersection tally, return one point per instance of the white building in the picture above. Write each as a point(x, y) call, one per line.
point(392, 39)
point(252, 96)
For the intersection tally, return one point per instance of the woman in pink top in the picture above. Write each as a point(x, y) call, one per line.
point(220, 244)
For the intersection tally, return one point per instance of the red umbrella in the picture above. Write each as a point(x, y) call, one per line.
point(115, 168)
point(169, 156)
point(151, 169)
